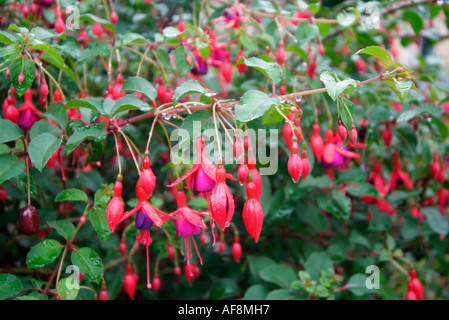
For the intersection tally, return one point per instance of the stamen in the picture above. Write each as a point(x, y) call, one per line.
point(197, 252)
point(148, 269)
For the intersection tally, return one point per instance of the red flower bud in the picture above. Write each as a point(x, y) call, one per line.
point(294, 165)
point(130, 284)
point(316, 142)
point(252, 212)
point(28, 220)
point(236, 251)
point(387, 135)
point(156, 284)
point(59, 25)
point(305, 164)
point(147, 178)
point(353, 135)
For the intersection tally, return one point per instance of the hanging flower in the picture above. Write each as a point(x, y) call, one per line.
point(252, 212)
point(221, 201)
point(188, 224)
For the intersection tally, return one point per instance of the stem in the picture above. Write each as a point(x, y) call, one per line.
point(216, 131)
point(118, 153)
point(196, 107)
point(151, 134)
point(130, 149)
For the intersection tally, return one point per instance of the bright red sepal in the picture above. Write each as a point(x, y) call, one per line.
point(202, 161)
point(221, 201)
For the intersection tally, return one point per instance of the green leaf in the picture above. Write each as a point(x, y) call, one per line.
point(10, 52)
point(316, 262)
point(89, 103)
point(414, 19)
point(253, 104)
point(346, 19)
point(182, 66)
point(92, 131)
point(223, 289)
point(363, 189)
point(129, 102)
point(67, 288)
point(10, 167)
point(42, 147)
point(54, 113)
point(256, 264)
point(45, 47)
point(195, 124)
point(29, 72)
point(342, 202)
point(401, 88)
point(9, 131)
point(97, 217)
point(7, 38)
point(71, 195)
point(89, 263)
point(306, 31)
point(141, 85)
point(278, 274)
point(63, 227)
point(128, 38)
point(10, 285)
point(422, 109)
point(436, 221)
point(93, 18)
point(43, 253)
point(335, 86)
point(256, 292)
point(171, 32)
point(379, 53)
point(262, 5)
point(283, 294)
point(64, 68)
point(188, 87)
point(95, 49)
point(357, 285)
point(44, 126)
point(272, 70)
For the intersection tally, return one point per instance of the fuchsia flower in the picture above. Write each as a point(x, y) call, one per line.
point(333, 155)
point(398, 173)
point(221, 201)
point(201, 176)
point(188, 223)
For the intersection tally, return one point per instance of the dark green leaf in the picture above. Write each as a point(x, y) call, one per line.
point(71, 195)
point(129, 102)
point(254, 104)
point(335, 86)
point(97, 217)
point(436, 221)
point(363, 189)
point(92, 131)
point(9, 131)
point(256, 292)
point(67, 288)
point(89, 103)
point(63, 227)
point(89, 263)
point(29, 72)
point(141, 85)
point(414, 19)
point(42, 147)
point(271, 70)
point(278, 274)
point(10, 285)
point(379, 53)
point(43, 253)
point(316, 262)
point(95, 49)
point(188, 87)
point(306, 31)
point(182, 66)
point(10, 167)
